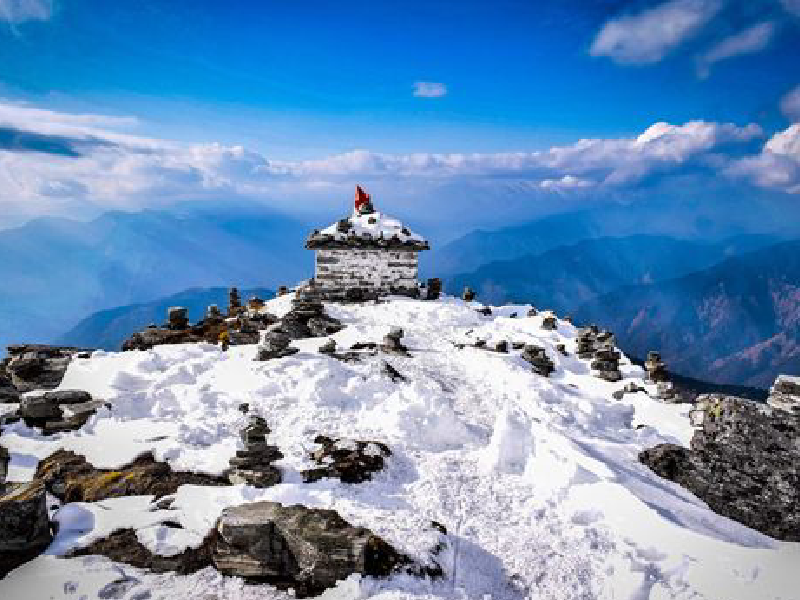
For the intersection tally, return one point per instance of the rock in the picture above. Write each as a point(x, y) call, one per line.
point(391, 342)
point(329, 347)
point(533, 312)
point(155, 336)
point(35, 366)
point(393, 373)
point(599, 346)
point(433, 290)
point(744, 463)
point(468, 295)
point(655, 367)
point(561, 349)
point(71, 478)
point(517, 345)
point(297, 547)
point(485, 311)
point(275, 345)
point(785, 394)
point(24, 525)
point(8, 393)
point(536, 355)
point(501, 346)
point(176, 318)
point(123, 546)
point(351, 461)
point(282, 291)
point(4, 460)
point(38, 408)
point(68, 396)
point(549, 322)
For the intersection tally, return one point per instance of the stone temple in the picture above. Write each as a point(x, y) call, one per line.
point(366, 255)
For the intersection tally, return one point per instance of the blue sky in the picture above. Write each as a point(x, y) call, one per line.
point(313, 80)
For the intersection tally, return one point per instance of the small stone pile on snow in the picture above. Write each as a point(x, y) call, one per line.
point(537, 356)
point(253, 465)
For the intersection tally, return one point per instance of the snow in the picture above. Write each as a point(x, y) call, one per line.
point(536, 479)
point(376, 225)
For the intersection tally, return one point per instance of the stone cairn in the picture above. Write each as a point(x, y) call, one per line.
point(433, 289)
point(391, 342)
point(213, 314)
point(598, 346)
point(305, 319)
point(468, 295)
point(253, 465)
point(533, 312)
point(177, 318)
point(785, 394)
point(234, 302)
point(549, 322)
point(655, 367)
point(537, 357)
point(255, 303)
point(282, 291)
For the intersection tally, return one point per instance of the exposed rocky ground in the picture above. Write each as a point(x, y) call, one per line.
point(402, 449)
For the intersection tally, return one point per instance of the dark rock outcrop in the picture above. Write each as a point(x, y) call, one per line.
point(71, 478)
point(744, 462)
point(392, 344)
point(24, 525)
point(59, 410)
point(297, 547)
point(123, 546)
point(351, 461)
point(35, 366)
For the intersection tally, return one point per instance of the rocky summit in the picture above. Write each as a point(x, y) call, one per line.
point(397, 448)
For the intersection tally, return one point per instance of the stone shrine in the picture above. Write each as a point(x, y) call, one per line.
point(366, 255)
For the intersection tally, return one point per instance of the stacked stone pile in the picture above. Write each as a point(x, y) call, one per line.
point(785, 394)
point(605, 363)
point(468, 295)
point(536, 355)
point(655, 367)
point(351, 461)
point(433, 289)
point(177, 319)
point(253, 464)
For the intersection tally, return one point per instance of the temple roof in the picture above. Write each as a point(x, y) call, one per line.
point(372, 230)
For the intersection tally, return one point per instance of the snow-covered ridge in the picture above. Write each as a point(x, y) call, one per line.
point(536, 478)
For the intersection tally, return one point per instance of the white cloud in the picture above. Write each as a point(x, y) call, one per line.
point(753, 39)
point(778, 164)
point(19, 11)
point(429, 89)
point(790, 104)
point(648, 36)
point(108, 169)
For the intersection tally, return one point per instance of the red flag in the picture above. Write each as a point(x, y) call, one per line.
point(362, 198)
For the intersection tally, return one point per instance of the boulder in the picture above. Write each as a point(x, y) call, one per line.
point(743, 462)
point(24, 525)
point(785, 394)
point(36, 366)
point(297, 547)
point(350, 461)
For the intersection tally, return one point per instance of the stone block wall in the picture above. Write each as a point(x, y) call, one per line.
point(373, 270)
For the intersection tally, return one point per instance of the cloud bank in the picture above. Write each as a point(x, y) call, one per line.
point(429, 89)
point(19, 11)
point(51, 162)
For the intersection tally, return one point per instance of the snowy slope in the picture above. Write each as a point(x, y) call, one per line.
point(535, 478)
